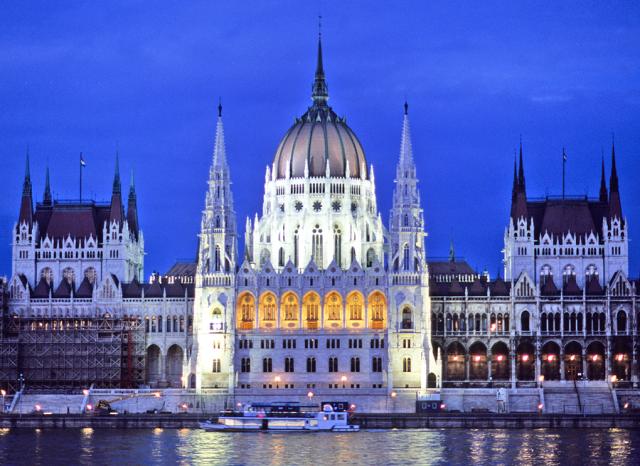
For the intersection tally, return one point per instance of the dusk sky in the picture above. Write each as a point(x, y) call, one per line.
point(146, 77)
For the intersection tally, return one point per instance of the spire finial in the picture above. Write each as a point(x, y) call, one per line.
point(406, 107)
point(604, 197)
point(117, 187)
point(219, 107)
point(521, 170)
point(320, 92)
point(452, 252)
point(47, 188)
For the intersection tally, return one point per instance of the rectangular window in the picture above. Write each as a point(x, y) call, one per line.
point(216, 365)
point(267, 365)
point(245, 365)
point(288, 365)
point(376, 364)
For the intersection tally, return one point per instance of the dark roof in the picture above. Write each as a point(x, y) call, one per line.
point(80, 220)
point(571, 286)
point(594, 287)
point(575, 215)
point(548, 287)
point(450, 268)
point(64, 290)
point(132, 290)
point(85, 290)
point(41, 290)
point(499, 287)
point(182, 269)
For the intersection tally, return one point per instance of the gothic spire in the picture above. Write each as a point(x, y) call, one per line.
point(117, 187)
point(219, 150)
point(604, 197)
point(615, 206)
point(521, 172)
point(406, 151)
point(452, 252)
point(26, 205)
point(47, 189)
point(132, 208)
point(514, 188)
point(320, 92)
point(519, 195)
point(117, 209)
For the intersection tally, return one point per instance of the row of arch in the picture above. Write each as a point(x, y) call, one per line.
point(474, 322)
point(164, 369)
point(574, 362)
point(332, 312)
point(68, 274)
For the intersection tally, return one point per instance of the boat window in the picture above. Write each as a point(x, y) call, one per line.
point(340, 417)
point(333, 417)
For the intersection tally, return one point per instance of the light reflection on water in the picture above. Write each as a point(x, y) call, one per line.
point(438, 446)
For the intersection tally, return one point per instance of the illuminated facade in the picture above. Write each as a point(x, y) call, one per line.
point(312, 306)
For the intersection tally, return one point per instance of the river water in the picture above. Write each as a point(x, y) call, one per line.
point(402, 447)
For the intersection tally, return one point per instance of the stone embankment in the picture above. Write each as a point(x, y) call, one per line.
point(366, 421)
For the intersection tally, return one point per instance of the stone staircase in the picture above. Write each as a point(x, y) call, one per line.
point(596, 400)
point(561, 400)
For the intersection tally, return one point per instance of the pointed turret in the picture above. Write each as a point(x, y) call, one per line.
point(519, 195)
point(604, 197)
point(407, 218)
point(117, 209)
point(521, 181)
point(320, 91)
point(219, 150)
point(514, 188)
point(615, 206)
point(46, 198)
point(452, 252)
point(132, 208)
point(26, 205)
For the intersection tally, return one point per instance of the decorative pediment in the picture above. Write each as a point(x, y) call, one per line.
point(620, 285)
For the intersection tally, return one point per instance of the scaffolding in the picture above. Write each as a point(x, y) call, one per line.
point(71, 353)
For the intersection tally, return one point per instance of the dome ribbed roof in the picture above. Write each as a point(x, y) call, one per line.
point(319, 137)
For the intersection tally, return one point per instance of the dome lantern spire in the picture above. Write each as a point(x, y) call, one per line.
point(320, 93)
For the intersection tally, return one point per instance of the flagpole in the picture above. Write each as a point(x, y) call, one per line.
point(564, 163)
point(80, 177)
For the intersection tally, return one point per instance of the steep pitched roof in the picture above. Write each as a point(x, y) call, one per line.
point(85, 290)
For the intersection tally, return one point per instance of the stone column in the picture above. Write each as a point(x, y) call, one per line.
point(537, 362)
point(562, 362)
point(584, 362)
point(489, 377)
point(466, 367)
point(512, 358)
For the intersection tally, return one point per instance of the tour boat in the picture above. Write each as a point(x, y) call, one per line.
point(281, 417)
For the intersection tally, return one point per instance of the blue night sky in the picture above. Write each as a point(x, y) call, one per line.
point(146, 77)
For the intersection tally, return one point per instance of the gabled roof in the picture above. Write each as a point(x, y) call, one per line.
point(548, 287)
point(85, 290)
point(64, 290)
point(571, 287)
point(75, 219)
point(41, 290)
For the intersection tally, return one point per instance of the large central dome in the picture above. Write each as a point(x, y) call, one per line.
point(320, 138)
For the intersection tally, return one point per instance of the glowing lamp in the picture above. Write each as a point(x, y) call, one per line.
point(476, 358)
point(393, 394)
point(157, 394)
point(310, 395)
point(541, 378)
point(594, 357)
point(343, 378)
point(277, 379)
point(442, 406)
point(85, 392)
point(500, 357)
point(572, 357)
point(525, 357)
point(619, 357)
point(38, 407)
point(89, 407)
point(614, 378)
point(3, 392)
point(455, 358)
point(540, 406)
point(493, 327)
point(626, 405)
point(551, 357)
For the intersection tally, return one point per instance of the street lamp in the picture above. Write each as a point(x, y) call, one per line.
point(277, 379)
point(344, 380)
point(310, 395)
point(3, 392)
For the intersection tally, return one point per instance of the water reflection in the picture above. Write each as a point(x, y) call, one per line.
point(394, 447)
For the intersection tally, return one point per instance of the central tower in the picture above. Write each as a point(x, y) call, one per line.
point(319, 200)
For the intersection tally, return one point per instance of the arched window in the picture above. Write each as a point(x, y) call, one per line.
point(281, 257)
point(406, 365)
point(47, 275)
point(371, 257)
point(353, 255)
point(355, 364)
point(311, 364)
point(290, 305)
point(355, 306)
point(407, 318)
point(316, 245)
point(264, 257)
point(621, 322)
point(405, 220)
point(406, 262)
point(69, 275)
point(524, 321)
point(216, 259)
point(337, 245)
point(90, 275)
